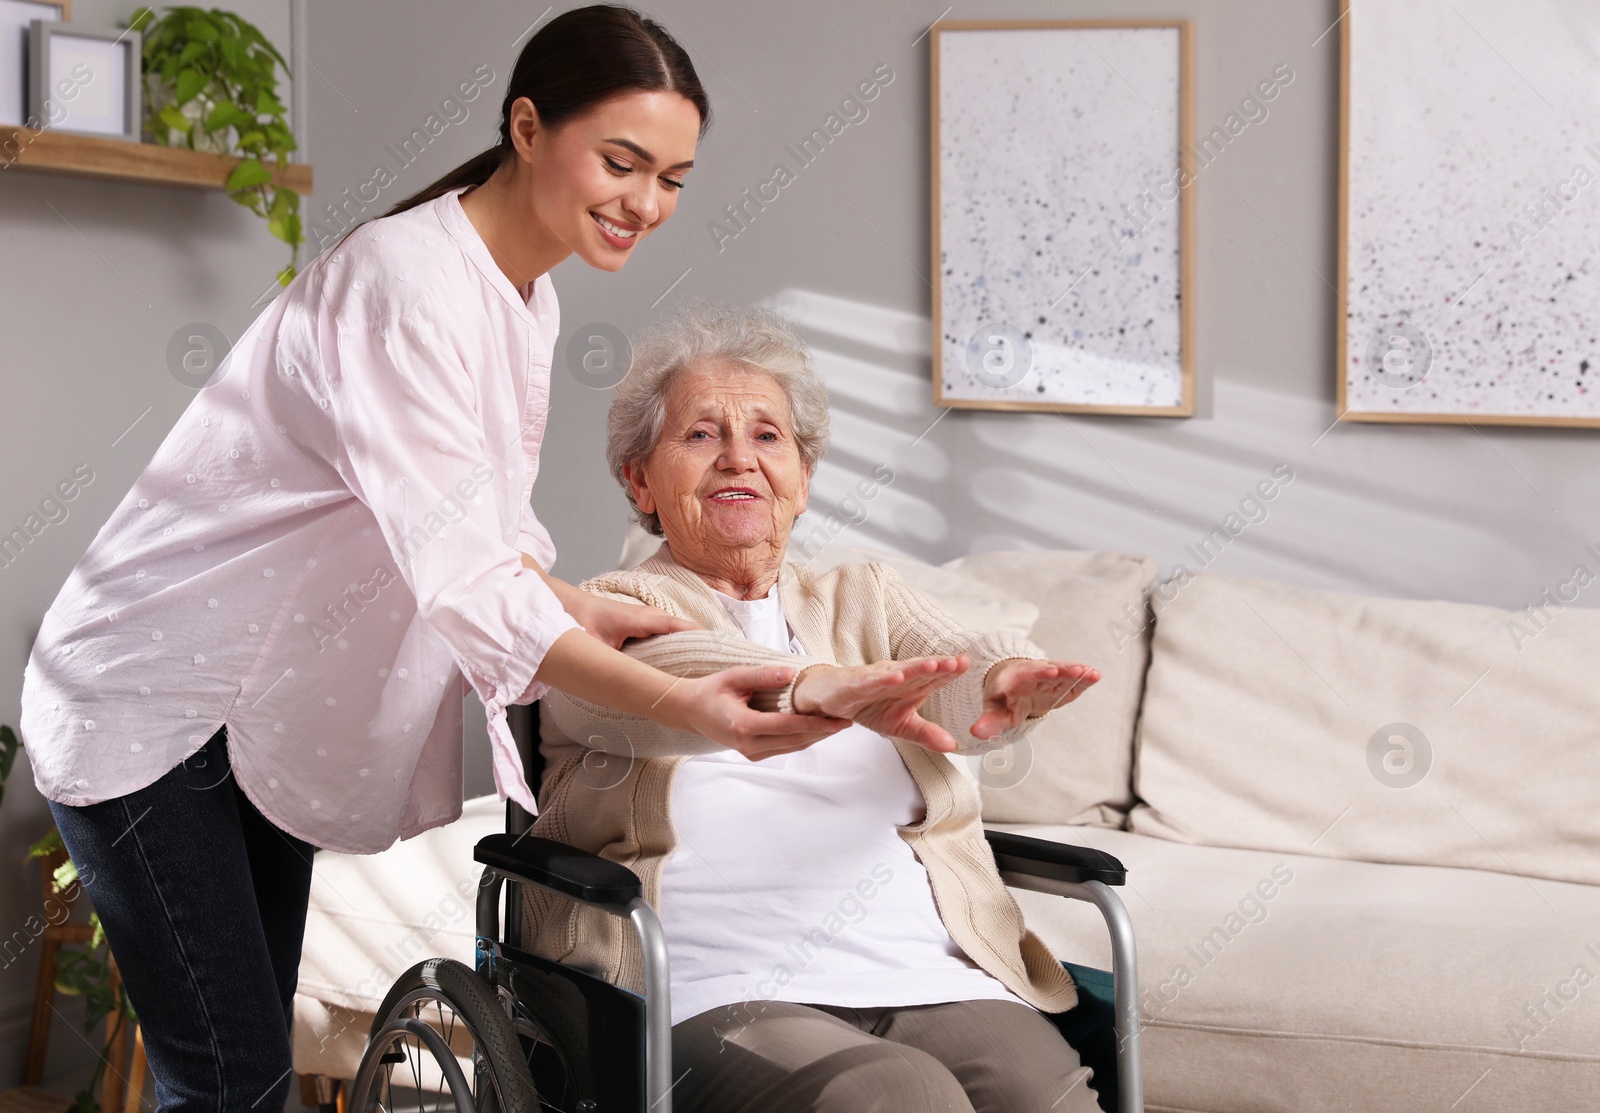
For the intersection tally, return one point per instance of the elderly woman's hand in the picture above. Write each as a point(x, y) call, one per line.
point(1020, 688)
point(885, 697)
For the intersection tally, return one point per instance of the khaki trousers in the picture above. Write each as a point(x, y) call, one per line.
point(960, 1057)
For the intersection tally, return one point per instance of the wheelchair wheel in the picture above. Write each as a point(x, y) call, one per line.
point(442, 1042)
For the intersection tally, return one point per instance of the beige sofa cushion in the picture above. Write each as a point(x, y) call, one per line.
point(1388, 730)
point(1076, 766)
point(1281, 983)
point(974, 604)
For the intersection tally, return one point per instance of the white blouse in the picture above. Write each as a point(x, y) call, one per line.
point(790, 881)
point(325, 544)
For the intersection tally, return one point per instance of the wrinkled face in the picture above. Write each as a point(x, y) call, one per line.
point(725, 476)
point(605, 180)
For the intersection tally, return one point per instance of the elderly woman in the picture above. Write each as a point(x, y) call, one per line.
point(840, 937)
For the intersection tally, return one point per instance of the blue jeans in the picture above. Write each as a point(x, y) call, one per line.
point(203, 901)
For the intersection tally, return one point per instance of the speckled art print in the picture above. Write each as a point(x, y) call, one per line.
point(1471, 212)
point(1063, 197)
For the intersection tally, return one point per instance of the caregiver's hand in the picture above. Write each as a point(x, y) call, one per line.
point(1019, 688)
point(614, 623)
point(606, 619)
point(885, 697)
point(718, 707)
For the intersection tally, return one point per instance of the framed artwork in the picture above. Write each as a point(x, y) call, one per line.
point(15, 18)
point(85, 79)
point(1469, 238)
point(1063, 215)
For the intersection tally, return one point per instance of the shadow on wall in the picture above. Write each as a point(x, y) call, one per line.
point(1268, 487)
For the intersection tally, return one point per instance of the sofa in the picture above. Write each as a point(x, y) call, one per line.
point(1362, 837)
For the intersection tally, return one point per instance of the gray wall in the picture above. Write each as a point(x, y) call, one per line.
point(93, 291)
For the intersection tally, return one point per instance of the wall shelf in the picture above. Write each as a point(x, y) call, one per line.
point(95, 157)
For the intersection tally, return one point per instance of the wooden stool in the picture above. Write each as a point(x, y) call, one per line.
point(119, 1092)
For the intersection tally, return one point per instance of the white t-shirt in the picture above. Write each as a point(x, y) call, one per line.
point(790, 882)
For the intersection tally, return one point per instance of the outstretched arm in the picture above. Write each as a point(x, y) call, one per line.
point(708, 690)
point(712, 693)
point(1010, 685)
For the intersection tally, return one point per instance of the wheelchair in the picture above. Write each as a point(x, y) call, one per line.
point(522, 1034)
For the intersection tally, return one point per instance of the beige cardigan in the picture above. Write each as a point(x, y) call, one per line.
point(608, 776)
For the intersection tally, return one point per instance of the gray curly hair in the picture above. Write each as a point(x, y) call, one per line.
point(704, 333)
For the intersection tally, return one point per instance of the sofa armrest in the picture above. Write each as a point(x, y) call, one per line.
point(560, 868)
point(1031, 857)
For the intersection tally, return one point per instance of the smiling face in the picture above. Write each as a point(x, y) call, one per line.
point(725, 477)
point(603, 181)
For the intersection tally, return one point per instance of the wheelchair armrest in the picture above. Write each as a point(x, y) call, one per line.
point(560, 868)
point(1031, 857)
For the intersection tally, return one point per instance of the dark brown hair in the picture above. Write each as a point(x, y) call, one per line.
point(576, 61)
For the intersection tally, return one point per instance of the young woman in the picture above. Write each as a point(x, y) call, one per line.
point(266, 647)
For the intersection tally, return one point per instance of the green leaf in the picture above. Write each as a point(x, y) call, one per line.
point(225, 114)
point(174, 119)
point(203, 29)
point(66, 875)
point(266, 45)
point(190, 82)
point(75, 972)
point(47, 845)
point(251, 140)
point(248, 173)
point(267, 104)
point(283, 218)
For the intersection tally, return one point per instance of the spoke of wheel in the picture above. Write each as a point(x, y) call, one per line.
point(416, 1071)
point(448, 1029)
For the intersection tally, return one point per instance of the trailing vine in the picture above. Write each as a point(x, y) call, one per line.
point(210, 83)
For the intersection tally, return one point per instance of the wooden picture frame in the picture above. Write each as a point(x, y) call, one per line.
point(106, 105)
point(15, 18)
point(1429, 301)
point(1024, 351)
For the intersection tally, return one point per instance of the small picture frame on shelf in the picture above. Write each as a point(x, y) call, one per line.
point(16, 16)
point(84, 80)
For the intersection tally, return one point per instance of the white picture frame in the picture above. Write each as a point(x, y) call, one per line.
point(1048, 295)
point(85, 80)
point(16, 16)
point(1469, 214)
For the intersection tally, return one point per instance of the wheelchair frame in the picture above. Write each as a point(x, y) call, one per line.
point(1074, 872)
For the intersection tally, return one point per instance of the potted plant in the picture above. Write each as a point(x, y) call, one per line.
point(210, 84)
